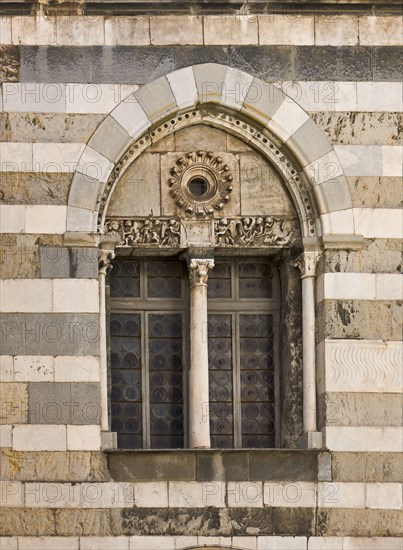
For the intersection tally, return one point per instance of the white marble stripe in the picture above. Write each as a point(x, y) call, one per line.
point(363, 438)
point(46, 368)
point(359, 286)
point(378, 223)
point(370, 160)
point(313, 96)
point(49, 296)
point(276, 29)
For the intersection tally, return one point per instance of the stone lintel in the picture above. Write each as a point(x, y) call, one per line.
point(342, 242)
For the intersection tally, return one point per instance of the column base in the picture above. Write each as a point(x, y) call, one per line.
point(109, 440)
point(311, 440)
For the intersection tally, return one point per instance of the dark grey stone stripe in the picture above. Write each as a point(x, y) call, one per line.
point(57, 262)
point(49, 334)
point(63, 403)
point(140, 64)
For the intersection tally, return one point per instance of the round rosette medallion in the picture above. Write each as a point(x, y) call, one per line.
point(200, 183)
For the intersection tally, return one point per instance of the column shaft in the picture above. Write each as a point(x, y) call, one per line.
point(308, 354)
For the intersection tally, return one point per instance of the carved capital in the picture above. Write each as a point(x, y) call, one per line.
point(307, 263)
point(105, 257)
point(198, 271)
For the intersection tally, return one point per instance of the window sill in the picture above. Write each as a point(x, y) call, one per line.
point(219, 465)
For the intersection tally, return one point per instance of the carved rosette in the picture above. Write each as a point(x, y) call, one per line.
point(216, 176)
point(249, 231)
point(140, 232)
point(198, 271)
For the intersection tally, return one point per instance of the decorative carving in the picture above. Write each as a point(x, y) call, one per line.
point(212, 171)
point(148, 231)
point(307, 263)
point(198, 271)
point(254, 232)
point(364, 366)
point(105, 257)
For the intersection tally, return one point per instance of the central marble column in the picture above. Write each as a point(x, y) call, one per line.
point(199, 425)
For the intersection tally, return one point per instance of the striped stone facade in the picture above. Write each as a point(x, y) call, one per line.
point(82, 97)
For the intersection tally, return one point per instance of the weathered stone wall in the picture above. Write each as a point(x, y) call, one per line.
point(61, 75)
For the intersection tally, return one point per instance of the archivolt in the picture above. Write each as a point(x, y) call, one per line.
point(310, 171)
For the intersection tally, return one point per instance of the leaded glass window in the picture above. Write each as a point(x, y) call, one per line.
point(149, 352)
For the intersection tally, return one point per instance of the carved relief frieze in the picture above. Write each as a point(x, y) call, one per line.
point(200, 183)
point(254, 231)
point(140, 232)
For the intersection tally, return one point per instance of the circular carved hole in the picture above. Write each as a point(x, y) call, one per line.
point(198, 186)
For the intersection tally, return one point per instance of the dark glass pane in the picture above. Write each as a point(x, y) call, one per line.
point(164, 279)
point(219, 281)
point(166, 381)
point(126, 379)
point(255, 279)
point(257, 381)
point(220, 379)
point(125, 279)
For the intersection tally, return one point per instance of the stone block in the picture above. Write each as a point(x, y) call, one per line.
point(379, 97)
point(33, 368)
point(245, 494)
point(58, 262)
point(75, 295)
point(14, 252)
point(26, 295)
point(150, 494)
point(336, 30)
point(12, 218)
point(380, 31)
point(287, 119)
point(14, 400)
point(360, 160)
point(289, 494)
point(114, 148)
point(285, 465)
point(11, 494)
point(127, 31)
point(176, 29)
point(262, 101)
point(285, 30)
point(378, 223)
point(86, 438)
point(282, 543)
point(371, 439)
point(6, 368)
point(34, 31)
point(392, 160)
point(16, 157)
point(210, 80)
point(52, 495)
point(55, 64)
point(235, 88)
point(358, 523)
point(34, 98)
point(9, 63)
point(6, 437)
point(387, 63)
point(152, 543)
point(39, 438)
point(143, 173)
point(156, 99)
point(383, 496)
point(222, 466)
point(5, 30)
point(45, 218)
point(192, 494)
point(79, 30)
point(131, 116)
point(38, 188)
point(326, 168)
point(95, 98)
point(375, 192)
point(373, 543)
point(182, 543)
point(205, 138)
point(76, 369)
point(183, 85)
point(334, 63)
point(104, 543)
point(94, 165)
point(81, 219)
point(50, 403)
point(247, 543)
point(341, 495)
point(325, 543)
point(309, 143)
point(85, 403)
point(50, 334)
point(85, 190)
point(230, 29)
point(48, 543)
point(184, 56)
point(56, 157)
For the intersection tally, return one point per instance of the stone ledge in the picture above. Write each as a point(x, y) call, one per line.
point(214, 465)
